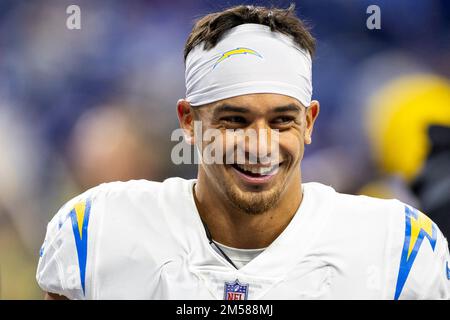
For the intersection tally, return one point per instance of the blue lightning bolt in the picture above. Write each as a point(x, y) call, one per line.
point(418, 226)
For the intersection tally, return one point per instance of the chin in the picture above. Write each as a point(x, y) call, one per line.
point(253, 202)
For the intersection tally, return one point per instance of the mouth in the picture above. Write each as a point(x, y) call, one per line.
point(256, 174)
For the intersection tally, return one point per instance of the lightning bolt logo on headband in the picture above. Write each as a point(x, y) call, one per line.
point(417, 227)
point(236, 51)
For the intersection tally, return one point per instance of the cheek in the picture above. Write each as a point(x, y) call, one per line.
point(291, 144)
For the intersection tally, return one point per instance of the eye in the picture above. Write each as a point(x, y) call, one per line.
point(234, 120)
point(283, 120)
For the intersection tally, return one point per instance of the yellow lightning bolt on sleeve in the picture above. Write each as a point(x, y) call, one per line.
point(421, 223)
point(80, 208)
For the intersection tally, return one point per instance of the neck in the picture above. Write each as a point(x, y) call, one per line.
point(235, 228)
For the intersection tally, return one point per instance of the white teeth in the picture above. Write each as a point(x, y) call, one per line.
point(257, 170)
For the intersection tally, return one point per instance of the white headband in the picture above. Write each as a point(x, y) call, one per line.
point(250, 58)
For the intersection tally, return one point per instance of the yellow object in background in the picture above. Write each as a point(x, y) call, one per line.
point(398, 118)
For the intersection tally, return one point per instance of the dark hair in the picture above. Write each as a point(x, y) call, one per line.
point(211, 27)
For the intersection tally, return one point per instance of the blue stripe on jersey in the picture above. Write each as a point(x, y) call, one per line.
point(81, 236)
point(417, 227)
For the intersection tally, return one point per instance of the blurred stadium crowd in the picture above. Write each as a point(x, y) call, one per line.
point(82, 107)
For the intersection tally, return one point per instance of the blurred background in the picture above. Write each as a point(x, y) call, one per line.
point(82, 107)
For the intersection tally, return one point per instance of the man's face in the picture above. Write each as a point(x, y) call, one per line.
point(281, 125)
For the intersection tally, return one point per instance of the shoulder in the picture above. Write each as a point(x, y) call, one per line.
point(134, 189)
point(127, 189)
point(383, 219)
point(92, 205)
point(116, 202)
point(356, 207)
point(421, 256)
point(63, 255)
point(357, 224)
point(107, 198)
point(391, 235)
point(398, 237)
point(358, 228)
point(104, 222)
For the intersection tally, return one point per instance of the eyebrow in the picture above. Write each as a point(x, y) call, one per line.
point(230, 108)
point(238, 109)
point(289, 107)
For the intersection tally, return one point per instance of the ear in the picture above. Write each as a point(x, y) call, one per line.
point(186, 120)
point(311, 115)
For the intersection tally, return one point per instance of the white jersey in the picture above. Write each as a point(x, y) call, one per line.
point(145, 240)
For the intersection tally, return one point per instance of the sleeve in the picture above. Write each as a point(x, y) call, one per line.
point(424, 263)
point(65, 261)
point(438, 286)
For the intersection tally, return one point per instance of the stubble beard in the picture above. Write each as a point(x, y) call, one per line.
point(253, 203)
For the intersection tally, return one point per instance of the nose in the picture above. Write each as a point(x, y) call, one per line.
point(260, 143)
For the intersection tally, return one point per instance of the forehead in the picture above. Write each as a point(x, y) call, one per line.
point(258, 102)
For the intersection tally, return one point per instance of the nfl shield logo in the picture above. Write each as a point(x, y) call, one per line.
point(235, 291)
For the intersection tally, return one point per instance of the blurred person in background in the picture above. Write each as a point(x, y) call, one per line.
point(111, 143)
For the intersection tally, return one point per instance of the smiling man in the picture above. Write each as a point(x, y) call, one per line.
point(256, 200)
point(247, 227)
